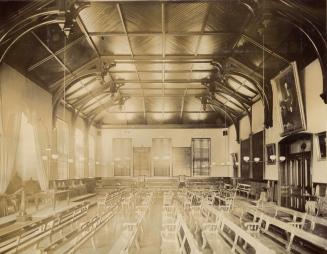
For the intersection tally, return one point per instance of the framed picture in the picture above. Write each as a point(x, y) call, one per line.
point(289, 100)
point(270, 150)
point(321, 145)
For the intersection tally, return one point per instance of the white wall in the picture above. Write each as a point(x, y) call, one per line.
point(316, 119)
point(258, 117)
point(180, 138)
point(245, 128)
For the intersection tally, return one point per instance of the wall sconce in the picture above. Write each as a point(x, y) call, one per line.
point(246, 158)
point(273, 158)
point(70, 161)
point(97, 163)
point(44, 157)
point(282, 158)
point(257, 159)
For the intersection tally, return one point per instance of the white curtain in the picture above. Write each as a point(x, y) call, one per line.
point(19, 95)
point(42, 143)
point(10, 129)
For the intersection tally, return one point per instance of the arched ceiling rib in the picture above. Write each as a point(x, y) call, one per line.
point(158, 61)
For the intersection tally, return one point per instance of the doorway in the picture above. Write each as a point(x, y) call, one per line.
point(142, 162)
point(295, 181)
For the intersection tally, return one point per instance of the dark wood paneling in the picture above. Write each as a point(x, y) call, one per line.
point(245, 151)
point(258, 151)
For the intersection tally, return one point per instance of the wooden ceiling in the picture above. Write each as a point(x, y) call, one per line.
point(186, 63)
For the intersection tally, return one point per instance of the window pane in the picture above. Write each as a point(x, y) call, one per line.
point(122, 154)
point(201, 148)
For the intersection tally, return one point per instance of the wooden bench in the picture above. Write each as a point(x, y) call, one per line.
point(238, 238)
point(74, 238)
point(129, 236)
point(109, 200)
point(291, 228)
point(168, 198)
point(243, 188)
point(169, 214)
point(177, 238)
point(201, 215)
point(15, 238)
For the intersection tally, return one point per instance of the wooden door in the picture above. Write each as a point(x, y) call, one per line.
point(296, 182)
point(142, 162)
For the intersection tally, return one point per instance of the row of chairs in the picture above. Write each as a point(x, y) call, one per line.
point(176, 236)
point(132, 230)
point(19, 238)
point(80, 231)
point(219, 230)
point(294, 224)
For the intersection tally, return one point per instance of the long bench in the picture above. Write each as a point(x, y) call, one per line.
point(109, 200)
point(74, 238)
point(292, 230)
point(129, 235)
point(177, 238)
point(243, 188)
point(233, 234)
point(298, 216)
point(17, 238)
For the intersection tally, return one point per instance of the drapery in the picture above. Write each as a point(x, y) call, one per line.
point(10, 128)
point(20, 96)
point(10, 115)
point(42, 143)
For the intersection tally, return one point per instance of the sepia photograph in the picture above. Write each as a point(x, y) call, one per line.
point(163, 126)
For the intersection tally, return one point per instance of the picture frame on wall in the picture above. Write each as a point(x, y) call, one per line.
point(270, 150)
point(287, 88)
point(321, 140)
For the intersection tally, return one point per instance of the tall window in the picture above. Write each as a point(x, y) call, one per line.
point(122, 156)
point(201, 150)
point(62, 148)
point(91, 156)
point(79, 153)
point(161, 156)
